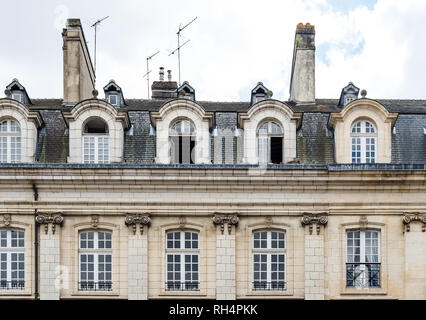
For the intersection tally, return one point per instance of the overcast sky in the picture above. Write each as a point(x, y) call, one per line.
point(378, 45)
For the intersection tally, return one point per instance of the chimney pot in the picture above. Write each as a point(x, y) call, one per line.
point(161, 73)
point(169, 75)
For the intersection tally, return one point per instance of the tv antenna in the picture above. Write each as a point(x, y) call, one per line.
point(180, 46)
point(95, 25)
point(147, 69)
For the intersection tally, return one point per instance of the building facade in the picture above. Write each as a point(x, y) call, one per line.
point(172, 197)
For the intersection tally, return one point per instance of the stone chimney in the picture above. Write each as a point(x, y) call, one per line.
point(79, 75)
point(164, 89)
point(302, 83)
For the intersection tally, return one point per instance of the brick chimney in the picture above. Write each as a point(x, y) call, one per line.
point(79, 75)
point(164, 89)
point(302, 83)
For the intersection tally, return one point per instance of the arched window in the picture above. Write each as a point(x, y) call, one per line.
point(95, 261)
point(10, 141)
point(364, 142)
point(269, 260)
point(96, 142)
point(270, 143)
point(12, 260)
point(182, 140)
point(363, 259)
point(182, 261)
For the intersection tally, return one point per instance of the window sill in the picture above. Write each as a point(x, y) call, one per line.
point(15, 293)
point(95, 294)
point(363, 291)
point(183, 293)
point(275, 293)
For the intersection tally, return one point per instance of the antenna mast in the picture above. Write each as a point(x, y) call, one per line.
point(95, 25)
point(180, 46)
point(147, 69)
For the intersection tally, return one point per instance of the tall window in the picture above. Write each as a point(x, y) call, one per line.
point(363, 259)
point(270, 143)
point(364, 142)
point(113, 99)
point(182, 138)
point(95, 259)
point(96, 142)
point(10, 141)
point(182, 259)
point(12, 260)
point(269, 260)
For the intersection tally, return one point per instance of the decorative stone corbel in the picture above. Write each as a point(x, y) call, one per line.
point(229, 219)
point(314, 218)
point(50, 218)
point(182, 222)
point(415, 216)
point(363, 222)
point(95, 221)
point(7, 219)
point(134, 219)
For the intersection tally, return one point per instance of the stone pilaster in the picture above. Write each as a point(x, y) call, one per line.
point(49, 255)
point(225, 256)
point(314, 255)
point(414, 227)
point(137, 275)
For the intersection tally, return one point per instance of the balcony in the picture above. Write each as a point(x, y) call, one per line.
point(95, 286)
point(362, 275)
point(269, 286)
point(182, 286)
point(12, 285)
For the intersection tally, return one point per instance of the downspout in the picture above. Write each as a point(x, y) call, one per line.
point(35, 245)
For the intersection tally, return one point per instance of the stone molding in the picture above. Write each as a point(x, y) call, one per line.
point(50, 218)
point(309, 219)
point(414, 216)
point(135, 219)
point(6, 221)
point(229, 219)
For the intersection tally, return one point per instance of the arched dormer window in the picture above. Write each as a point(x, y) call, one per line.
point(95, 142)
point(10, 141)
point(182, 140)
point(270, 143)
point(363, 142)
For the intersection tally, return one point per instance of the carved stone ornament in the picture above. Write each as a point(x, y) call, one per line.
point(415, 216)
point(7, 219)
point(135, 219)
point(182, 222)
point(363, 222)
point(309, 219)
point(229, 219)
point(95, 221)
point(268, 222)
point(50, 218)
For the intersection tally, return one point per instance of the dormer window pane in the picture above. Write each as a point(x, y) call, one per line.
point(17, 97)
point(113, 99)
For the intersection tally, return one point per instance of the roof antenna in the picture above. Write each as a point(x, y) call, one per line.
point(96, 26)
point(180, 46)
point(147, 69)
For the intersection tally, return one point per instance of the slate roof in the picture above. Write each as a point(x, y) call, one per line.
point(315, 141)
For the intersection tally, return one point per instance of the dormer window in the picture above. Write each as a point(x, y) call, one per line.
point(114, 94)
point(113, 99)
point(349, 94)
point(259, 93)
point(185, 91)
point(18, 97)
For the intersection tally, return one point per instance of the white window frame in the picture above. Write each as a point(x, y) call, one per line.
point(18, 97)
point(360, 139)
point(98, 139)
point(96, 252)
point(116, 99)
point(182, 252)
point(363, 277)
point(269, 251)
point(264, 142)
point(8, 251)
point(9, 138)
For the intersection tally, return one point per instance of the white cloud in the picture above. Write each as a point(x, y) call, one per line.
point(233, 45)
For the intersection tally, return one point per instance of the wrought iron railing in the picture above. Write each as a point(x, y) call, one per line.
point(269, 286)
point(362, 275)
point(12, 285)
point(95, 286)
point(182, 286)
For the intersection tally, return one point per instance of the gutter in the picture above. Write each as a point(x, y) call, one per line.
point(36, 244)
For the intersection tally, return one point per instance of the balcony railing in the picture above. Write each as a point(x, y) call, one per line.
point(12, 285)
point(269, 286)
point(182, 286)
point(95, 286)
point(362, 275)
